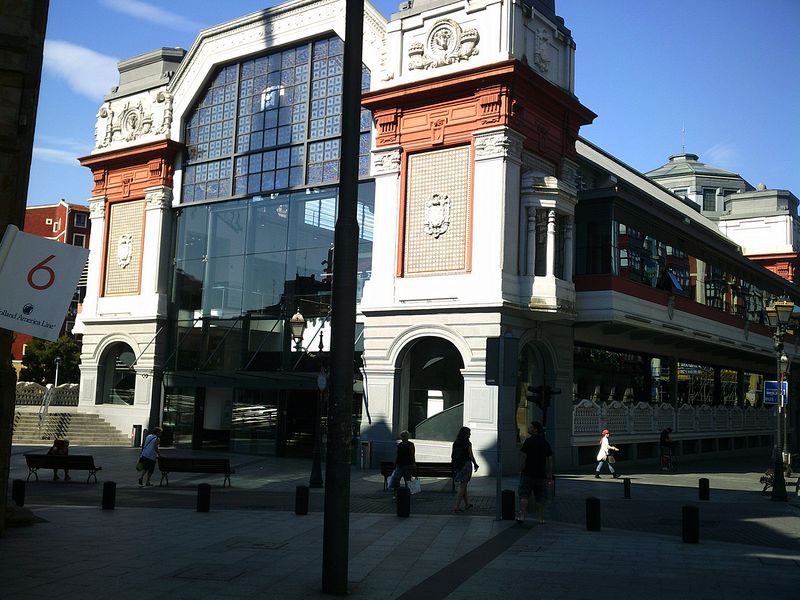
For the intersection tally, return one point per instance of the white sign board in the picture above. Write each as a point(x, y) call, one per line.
point(38, 278)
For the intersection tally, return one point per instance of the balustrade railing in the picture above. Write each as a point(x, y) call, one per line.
point(589, 418)
point(31, 394)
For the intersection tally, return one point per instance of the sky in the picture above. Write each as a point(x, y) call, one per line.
point(717, 78)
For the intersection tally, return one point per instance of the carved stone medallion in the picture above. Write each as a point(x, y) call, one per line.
point(446, 44)
point(124, 250)
point(437, 215)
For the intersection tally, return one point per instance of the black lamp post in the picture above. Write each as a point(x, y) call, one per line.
point(297, 324)
point(779, 314)
point(57, 362)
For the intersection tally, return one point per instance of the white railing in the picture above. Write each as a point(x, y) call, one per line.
point(590, 417)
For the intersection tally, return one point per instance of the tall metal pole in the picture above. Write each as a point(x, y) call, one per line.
point(778, 480)
point(22, 67)
point(335, 535)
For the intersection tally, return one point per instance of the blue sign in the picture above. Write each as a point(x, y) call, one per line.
point(771, 392)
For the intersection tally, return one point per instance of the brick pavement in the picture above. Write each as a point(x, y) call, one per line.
point(251, 545)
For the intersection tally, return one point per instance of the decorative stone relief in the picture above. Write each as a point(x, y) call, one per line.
point(498, 144)
point(128, 119)
point(97, 207)
point(446, 44)
point(387, 161)
point(158, 198)
point(541, 54)
point(437, 215)
point(124, 250)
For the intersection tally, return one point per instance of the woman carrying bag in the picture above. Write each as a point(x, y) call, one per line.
point(604, 455)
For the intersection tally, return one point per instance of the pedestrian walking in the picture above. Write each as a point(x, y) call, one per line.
point(149, 455)
point(536, 471)
point(462, 461)
point(405, 463)
point(666, 445)
point(60, 448)
point(604, 455)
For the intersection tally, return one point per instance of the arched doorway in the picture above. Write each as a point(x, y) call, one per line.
point(117, 375)
point(533, 369)
point(431, 390)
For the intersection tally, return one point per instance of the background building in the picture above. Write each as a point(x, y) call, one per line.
point(215, 175)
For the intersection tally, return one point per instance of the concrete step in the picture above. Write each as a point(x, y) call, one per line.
point(79, 428)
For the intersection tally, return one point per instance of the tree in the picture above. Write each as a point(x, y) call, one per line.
point(39, 361)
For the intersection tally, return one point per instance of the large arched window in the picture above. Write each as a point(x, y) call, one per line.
point(117, 375)
point(271, 123)
point(431, 390)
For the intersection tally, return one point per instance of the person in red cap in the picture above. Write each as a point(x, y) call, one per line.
point(602, 456)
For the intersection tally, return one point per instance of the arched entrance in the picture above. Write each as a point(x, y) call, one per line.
point(534, 367)
point(117, 381)
point(430, 390)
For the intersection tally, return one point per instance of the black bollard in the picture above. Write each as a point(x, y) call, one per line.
point(403, 502)
point(18, 492)
point(203, 497)
point(704, 493)
point(593, 514)
point(109, 495)
point(691, 524)
point(301, 500)
point(507, 503)
point(626, 484)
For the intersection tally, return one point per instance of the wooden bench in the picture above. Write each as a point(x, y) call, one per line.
point(179, 464)
point(424, 469)
point(71, 462)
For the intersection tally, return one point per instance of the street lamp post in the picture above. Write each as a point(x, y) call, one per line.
point(779, 314)
point(297, 325)
point(58, 364)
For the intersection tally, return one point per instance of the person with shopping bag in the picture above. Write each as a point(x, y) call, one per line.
point(604, 456)
point(405, 463)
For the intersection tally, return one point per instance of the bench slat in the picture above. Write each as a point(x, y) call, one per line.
point(178, 464)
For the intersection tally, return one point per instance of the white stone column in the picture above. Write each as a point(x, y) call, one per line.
point(97, 216)
point(569, 249)
point(379, 290)
point(155, 248)
point(551, 242)
point(530, 266)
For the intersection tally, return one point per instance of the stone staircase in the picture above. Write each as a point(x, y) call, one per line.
point(81, 429)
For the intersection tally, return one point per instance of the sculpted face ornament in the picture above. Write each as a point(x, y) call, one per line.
point(446, 44)
point(124, 250)
point(437, 215)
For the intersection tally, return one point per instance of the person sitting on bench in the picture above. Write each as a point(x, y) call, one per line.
point(60, 448)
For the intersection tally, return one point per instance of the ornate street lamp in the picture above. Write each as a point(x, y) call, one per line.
point(297, 325)
point(779, 314)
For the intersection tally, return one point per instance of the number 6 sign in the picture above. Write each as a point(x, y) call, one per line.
point(49, 274)
point(38, 278)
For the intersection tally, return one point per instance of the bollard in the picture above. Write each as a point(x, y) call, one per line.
point(403, 502)
point(704, 493)
point(691, 524)
point(203, 497)
point(626, 484)
point(593, 514)
point(18, 492)
point(507, 502)
point(301, 500)
point(109, 495)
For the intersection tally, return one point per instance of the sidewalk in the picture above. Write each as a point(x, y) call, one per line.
point(252, 545)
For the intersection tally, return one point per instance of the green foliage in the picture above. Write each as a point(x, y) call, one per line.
point(38, 364)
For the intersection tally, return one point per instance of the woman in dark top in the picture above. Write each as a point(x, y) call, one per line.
point(405, 462)
point(463, 461)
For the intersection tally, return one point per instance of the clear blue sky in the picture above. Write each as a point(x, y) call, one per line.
point(725, 71)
